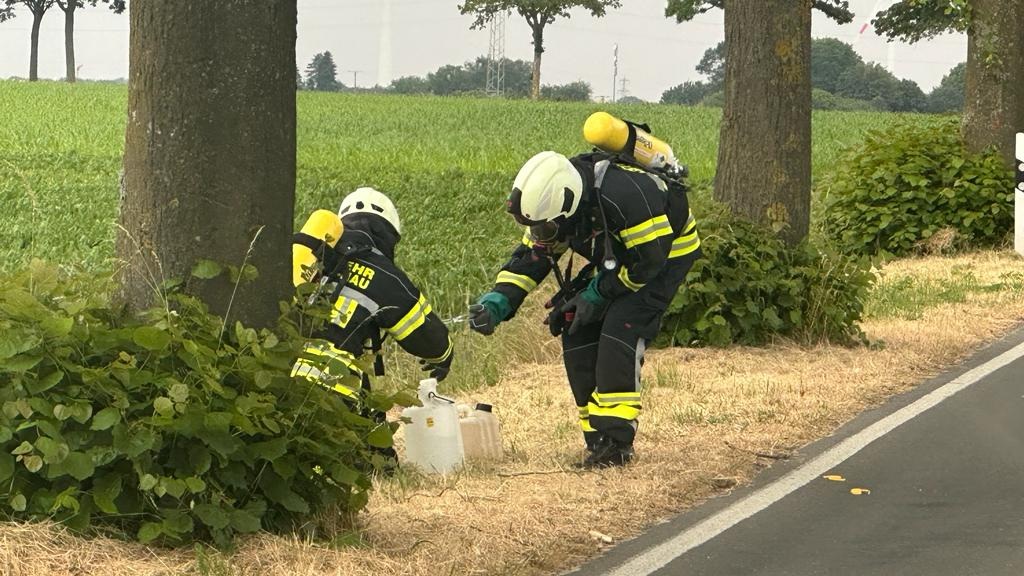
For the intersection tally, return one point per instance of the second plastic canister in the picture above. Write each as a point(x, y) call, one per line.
point(481, 433)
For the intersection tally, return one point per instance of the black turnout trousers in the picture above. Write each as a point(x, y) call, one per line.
point(603, 359)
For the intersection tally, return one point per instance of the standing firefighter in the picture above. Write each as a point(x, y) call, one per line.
point(370, 295)
point(635, 228)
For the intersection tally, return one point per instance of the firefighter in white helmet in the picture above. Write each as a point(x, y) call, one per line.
point(635, 229)
point(372, 297)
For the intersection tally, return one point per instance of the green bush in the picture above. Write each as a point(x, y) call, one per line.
point(750, 288)
point(905, 184)
point(166, 426)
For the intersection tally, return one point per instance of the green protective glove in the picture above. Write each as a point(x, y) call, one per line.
point(489, 310)
point(587, 307)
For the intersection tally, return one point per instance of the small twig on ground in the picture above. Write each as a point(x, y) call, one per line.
point(769, 455)
point(541, 472)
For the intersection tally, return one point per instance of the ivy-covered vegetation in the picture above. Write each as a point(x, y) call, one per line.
point(169, 426)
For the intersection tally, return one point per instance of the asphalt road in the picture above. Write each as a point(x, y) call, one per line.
point(931, 484)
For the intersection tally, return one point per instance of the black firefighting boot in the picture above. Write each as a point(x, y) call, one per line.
point(607, 453)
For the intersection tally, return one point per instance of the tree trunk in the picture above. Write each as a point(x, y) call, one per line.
point(69, 39)
point(764, 155)
point(33, 58)
point(994, 96)
point(209, 163)
point(538, 50)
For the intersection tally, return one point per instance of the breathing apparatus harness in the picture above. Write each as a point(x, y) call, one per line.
point(335, 261)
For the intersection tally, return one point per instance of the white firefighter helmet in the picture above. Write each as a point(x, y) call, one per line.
point(548, 186)
point(370, 201)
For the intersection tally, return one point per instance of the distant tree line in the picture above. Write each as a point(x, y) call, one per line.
point(840, 79)
point(466, 79)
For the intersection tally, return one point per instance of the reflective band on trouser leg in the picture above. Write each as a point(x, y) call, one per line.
point(585, 419)
point(318, 369)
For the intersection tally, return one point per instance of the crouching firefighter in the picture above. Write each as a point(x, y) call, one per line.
point(634, 227)
point(372, 299)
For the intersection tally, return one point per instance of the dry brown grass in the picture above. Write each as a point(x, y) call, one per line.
point(708, 413)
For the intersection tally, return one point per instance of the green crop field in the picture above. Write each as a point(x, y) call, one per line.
point(448, 163)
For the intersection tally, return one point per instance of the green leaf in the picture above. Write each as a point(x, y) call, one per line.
point(277, 490)
point(23, 448)
point(44, 383)
point(53, 452)
point(79, 465)
point(33, 463)
point(178, 392)
point(270, 450)
point(150, 531)
point(18, 502)
point(212, 516)
point(164, 406)
point(104, 491)
point(151, 338)
point(173, 486)
point(380, 437)
point(6, 466)
point(195, 485)
point(147, 482)
point(206, 269)
point(244, 522)
point(105, 418)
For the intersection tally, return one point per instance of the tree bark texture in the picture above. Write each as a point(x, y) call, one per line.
point(538, 51)
point(209, 161)
point(764, 155)
point(994, 94)
point(69, 39)
point(33, 57)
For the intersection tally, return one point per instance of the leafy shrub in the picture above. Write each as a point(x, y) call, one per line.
point(906, 183)
point(165, 425)
point(750, 288)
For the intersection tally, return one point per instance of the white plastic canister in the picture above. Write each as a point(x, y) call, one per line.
point(433, 438)
point(481, 433)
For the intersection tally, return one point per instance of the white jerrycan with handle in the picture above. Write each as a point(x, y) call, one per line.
point(433, 438)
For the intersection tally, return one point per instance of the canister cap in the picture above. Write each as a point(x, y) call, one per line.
point(484, 407)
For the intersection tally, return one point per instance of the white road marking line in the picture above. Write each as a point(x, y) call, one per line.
point(657, 557)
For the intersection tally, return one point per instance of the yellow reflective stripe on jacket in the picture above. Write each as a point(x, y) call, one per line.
point(646, 231)
point(447, 353)
point(684, 245)
point(344, 308)
point(527, 241)
point(624, 277)
point(524, 282)
point(412, 320)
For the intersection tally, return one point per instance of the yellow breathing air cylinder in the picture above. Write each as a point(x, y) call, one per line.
point(322, 225)
point(614, 135)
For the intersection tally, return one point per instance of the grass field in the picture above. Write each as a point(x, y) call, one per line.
point(448, 163)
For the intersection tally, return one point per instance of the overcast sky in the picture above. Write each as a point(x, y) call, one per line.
point(654, 52)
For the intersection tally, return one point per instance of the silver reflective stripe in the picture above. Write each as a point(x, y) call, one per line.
point(361, 298)
point(600, 169)
point(641, 346)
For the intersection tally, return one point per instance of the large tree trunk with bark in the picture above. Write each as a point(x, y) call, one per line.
point(764, 155)
point(69, 39)
point(209, 164)
point(538, 50)
point(33, 57)
point(994, 94)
